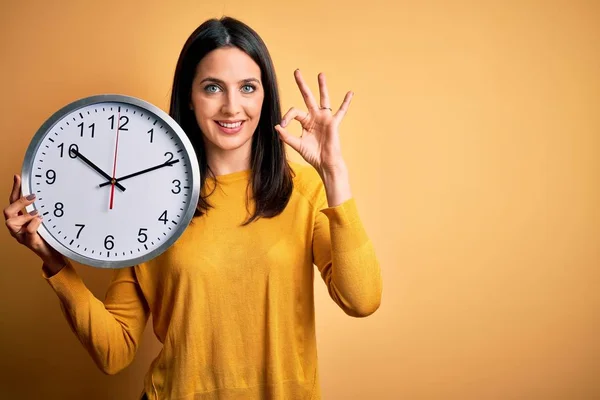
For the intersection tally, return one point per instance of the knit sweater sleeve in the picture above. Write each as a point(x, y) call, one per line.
point(345, 257)
point(110, 330)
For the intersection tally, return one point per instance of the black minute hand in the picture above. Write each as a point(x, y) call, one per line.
point(95, 167)
point(167, 164)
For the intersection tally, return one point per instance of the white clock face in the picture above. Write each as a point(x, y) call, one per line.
point(115, 182)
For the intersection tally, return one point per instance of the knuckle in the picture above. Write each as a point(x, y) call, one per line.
point(11, 227)
point(31, 227)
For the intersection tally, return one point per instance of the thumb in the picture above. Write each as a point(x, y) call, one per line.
point(293, 141)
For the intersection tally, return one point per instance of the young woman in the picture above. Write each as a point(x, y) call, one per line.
point(232, 299)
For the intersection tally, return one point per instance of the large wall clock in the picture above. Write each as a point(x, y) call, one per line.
point(116, 180)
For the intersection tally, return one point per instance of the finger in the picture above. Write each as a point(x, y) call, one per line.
point(344, 107)
point(294, 113)
point(14, 196)
point(33, 226)
point(325, 103)
point(15, 225)
point(16, 190)
point(309, 99)
point(293, 141)
point(13, 209)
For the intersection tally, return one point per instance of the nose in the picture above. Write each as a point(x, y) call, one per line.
point(232, 104)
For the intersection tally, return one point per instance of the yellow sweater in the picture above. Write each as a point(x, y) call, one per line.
point(233, 306)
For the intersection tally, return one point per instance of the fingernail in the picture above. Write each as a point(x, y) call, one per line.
point(31, 196)
point(297, 69)
point(34, 212)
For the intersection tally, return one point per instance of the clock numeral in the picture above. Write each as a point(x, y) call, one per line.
point(140, 234)
point(122, 127)
point(163, 217)
point(170, 154)
point(71, 148)
point(50, 177)
point(121, 123)
point(108, 242)
point(81, 226)
point(151, 132)
point(58, 210)
point(73, 151)
point(177, 183)
point(91, 126)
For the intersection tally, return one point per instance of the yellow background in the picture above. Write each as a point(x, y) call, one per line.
point(473, 143)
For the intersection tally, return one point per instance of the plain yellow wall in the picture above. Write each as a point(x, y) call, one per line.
point(473, 143)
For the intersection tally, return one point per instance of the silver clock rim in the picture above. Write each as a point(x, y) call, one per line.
point(41, 133)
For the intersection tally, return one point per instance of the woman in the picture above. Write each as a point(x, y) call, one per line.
point(232, 299)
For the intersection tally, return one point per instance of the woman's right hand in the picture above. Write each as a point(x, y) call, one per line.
point(23, 227)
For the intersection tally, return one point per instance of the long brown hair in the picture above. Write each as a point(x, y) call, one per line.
point(271, 178)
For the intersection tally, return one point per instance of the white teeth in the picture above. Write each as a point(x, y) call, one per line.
point(234, 125)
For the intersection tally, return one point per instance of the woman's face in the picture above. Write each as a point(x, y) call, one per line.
point(227, 97)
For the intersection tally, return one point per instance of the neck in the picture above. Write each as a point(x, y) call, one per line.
point(223, 162)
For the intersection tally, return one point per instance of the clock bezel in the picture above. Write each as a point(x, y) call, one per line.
point(45, 129)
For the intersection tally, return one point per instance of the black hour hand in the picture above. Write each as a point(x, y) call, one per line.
point(95, 168)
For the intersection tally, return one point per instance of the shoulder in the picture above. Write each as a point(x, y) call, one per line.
point(308, 183)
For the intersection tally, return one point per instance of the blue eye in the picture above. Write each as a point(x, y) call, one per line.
point(250, 90)
point(209, 88)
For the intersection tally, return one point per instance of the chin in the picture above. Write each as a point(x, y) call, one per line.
point(229, 143)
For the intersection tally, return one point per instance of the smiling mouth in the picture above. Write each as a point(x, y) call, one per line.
point(230, 125)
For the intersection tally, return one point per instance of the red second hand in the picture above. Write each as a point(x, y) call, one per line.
point(112, 189)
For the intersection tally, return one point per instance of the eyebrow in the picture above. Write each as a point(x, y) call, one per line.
point(211, 79)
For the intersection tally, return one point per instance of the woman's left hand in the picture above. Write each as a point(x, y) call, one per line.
point(319, 143)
